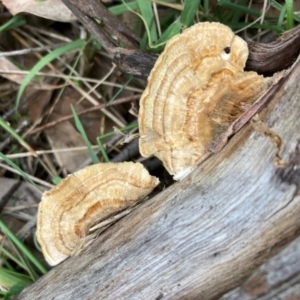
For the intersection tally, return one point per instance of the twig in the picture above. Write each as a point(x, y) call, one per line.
point(31, 50)
point(97, 107)
point(35, 179)
point(87, 11)
point(83, 79)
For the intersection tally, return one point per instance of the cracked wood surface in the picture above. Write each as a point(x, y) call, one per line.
point(202, 236)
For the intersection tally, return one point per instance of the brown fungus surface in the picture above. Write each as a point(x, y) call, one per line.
point(85, 198)
point(196, 89)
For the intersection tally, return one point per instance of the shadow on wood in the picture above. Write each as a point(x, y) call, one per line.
point(200, 237)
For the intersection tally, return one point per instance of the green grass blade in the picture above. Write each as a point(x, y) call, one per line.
point(289, 14)
point(12, 133)
point(56, 180)
point(281, 16)
point(14, 22)
point(278, 6)
point(14, 291)
point(7, 254)
point(9, 278)
point(22, 247)
point(145, 8)
point(99, 142)
point(24, 263)
point(44, 61)
point(240, 9)
point(148, 34)
point(237, 15)
point(206, 7)
point(189, 12)
point(111, 133)
point(80, 128)
point(171, 31)
point(21, 172)
point(240, 25)
point(120, 90)
point(122, 8)
point(101, 147)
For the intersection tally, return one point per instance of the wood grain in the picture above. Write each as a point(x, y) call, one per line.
point(202, 236)
point(278, 278)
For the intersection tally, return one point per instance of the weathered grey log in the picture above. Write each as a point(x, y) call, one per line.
point(278, 278)
point(200, 237)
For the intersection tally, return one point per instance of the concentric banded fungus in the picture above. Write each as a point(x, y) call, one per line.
point(196, 89)
point(84, 198)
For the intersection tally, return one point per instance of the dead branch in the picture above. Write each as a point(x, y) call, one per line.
point(200, 237)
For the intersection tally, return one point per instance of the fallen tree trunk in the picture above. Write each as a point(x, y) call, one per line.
point(200, 237)
point(278, 278)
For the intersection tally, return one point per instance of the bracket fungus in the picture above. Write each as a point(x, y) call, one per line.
point(196, 89)
point(84, 198)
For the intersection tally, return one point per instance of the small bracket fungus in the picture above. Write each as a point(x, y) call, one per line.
point(83, 199)
point(196, 89)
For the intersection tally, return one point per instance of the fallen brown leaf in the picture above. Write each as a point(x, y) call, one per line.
point(50, 9)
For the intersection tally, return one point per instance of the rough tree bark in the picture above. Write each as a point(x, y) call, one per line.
point(203, 236)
